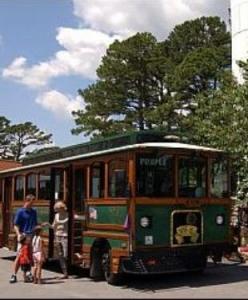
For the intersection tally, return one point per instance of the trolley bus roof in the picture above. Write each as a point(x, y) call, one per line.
point(163, 145)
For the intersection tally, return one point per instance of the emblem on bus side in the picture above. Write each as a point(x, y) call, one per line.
point(186, 231)
point(186, 227)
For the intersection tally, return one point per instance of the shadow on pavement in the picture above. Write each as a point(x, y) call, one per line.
point(223, 273)
point(53, 266)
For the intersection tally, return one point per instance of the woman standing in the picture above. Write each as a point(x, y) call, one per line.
point(60, 227)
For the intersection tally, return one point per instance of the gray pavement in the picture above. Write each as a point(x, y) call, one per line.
point(227, 280)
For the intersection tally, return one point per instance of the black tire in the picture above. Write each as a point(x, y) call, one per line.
point(110, 277)
point(96, 271)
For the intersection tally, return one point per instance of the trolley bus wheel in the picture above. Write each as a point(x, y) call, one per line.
point(110, 277)
point(96, 271)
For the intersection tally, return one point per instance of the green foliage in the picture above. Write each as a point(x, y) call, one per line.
point(200, 71)
point(23, 135)
point(200, 50)
point(244, 66)
point(132, 83)
point(220, 120)
point(204, 32)
point(143, 83)
point(242, 192)
point(15, 139)
point(4, 123)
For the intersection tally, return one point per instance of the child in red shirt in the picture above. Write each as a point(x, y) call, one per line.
point(25, 257)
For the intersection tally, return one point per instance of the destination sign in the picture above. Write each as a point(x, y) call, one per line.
point(153, 162)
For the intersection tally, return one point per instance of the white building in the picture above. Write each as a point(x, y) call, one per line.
point(239, 17)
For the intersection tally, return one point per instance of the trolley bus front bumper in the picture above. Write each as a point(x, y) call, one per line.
point(167, 261)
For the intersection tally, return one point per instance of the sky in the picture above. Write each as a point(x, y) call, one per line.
point(51, 48)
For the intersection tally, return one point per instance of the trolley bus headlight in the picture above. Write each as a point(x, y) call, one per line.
point(145, 222)
point(219, 219)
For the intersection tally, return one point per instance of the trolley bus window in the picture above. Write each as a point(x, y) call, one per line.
point(31, 184)
point(44, 191)
point(192, 177)
point(155, 175)
point(79, 190)
point(19, 188)
point(219, 178)
point(59, 185)
point(97, 180)
point(118, 180)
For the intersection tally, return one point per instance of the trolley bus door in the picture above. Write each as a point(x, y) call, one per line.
point(78, 215)
point(58, 179)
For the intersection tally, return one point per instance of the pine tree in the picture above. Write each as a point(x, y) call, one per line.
point(132, 83)
point(23, 135)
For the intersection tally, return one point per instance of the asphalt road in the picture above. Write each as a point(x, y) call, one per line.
point(226, 280)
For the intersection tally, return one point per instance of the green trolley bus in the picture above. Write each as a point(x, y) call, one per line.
point(145, 203)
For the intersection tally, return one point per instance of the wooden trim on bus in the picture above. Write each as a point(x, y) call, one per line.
point(13, 179)
point(99, 234)
point(24, 186)
point(87, 182)
point(114, 201)
point(106, 172)
point(116, 252)
point(116, 227)
point(36, 203)
point(106, 158)
point(132, 240)
point(37, 176)
point(132, 175)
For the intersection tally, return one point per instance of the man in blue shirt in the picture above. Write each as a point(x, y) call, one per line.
point(24, 222)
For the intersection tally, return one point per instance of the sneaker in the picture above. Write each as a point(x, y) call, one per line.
point(13, 279)
point(29, 277)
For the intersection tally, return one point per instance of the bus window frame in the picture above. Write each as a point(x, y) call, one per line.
point(14, 177)
point(217, 158)
point(105, 178)
point(163, 151)
point(42, 172)
point(62, 182)
point(122, 159)
point(82, 167)
point(197, 156)
point(26, 184)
